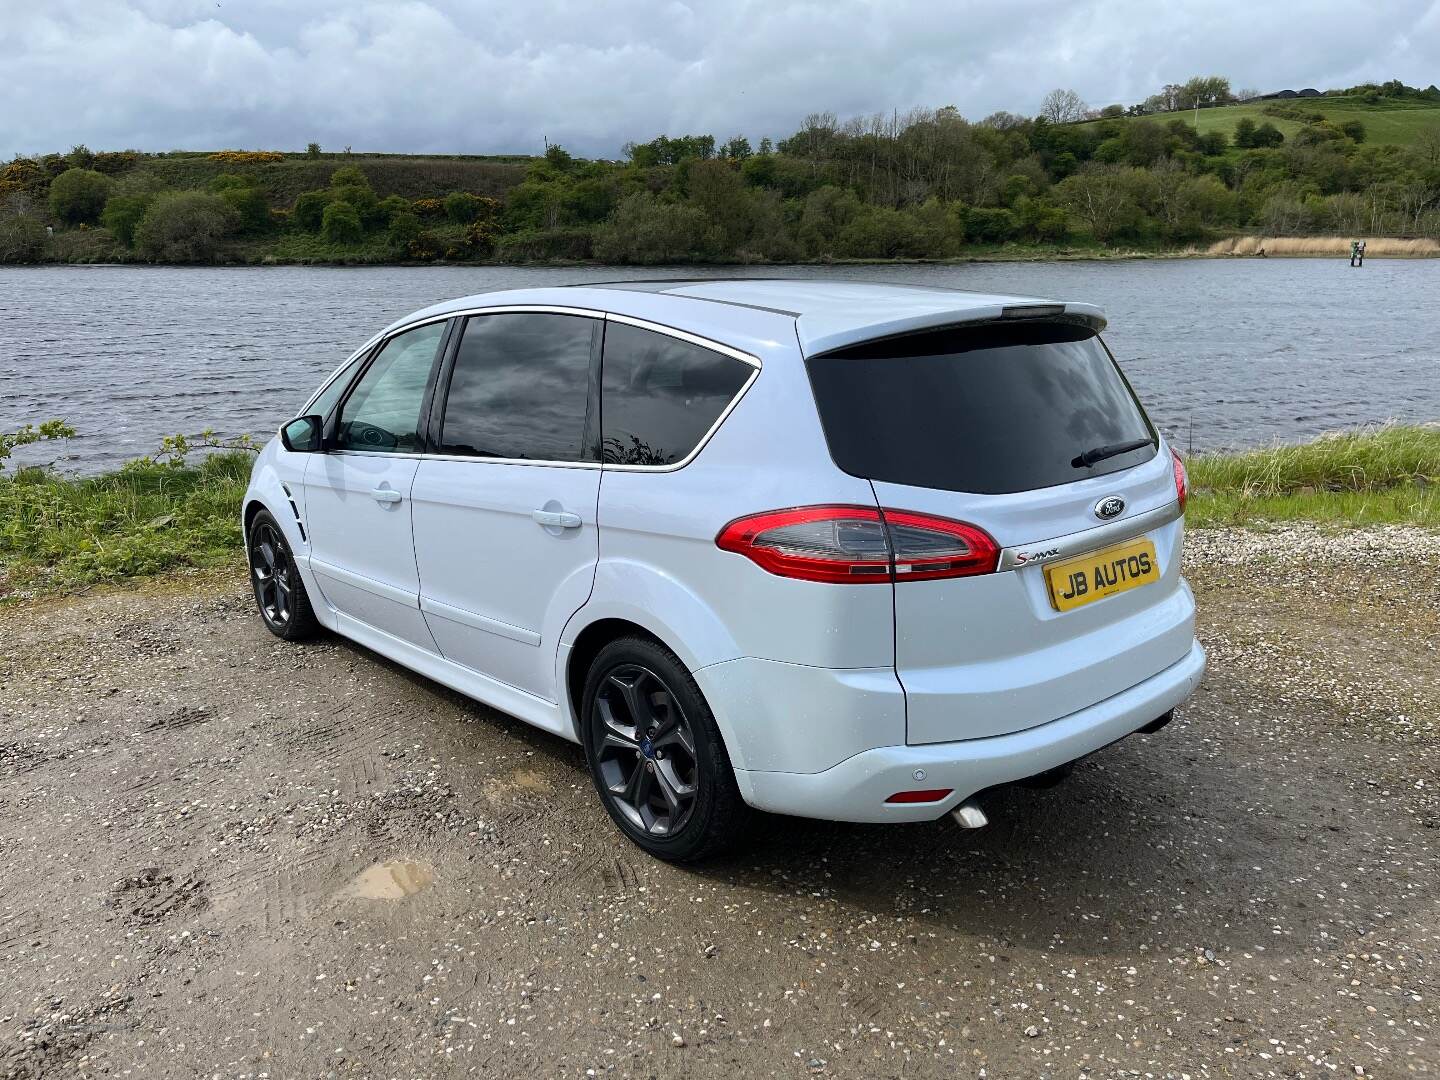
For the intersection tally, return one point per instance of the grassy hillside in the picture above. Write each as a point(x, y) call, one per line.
point(410, 176)
point(1395, 122)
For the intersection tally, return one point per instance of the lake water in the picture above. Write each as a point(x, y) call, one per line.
point(1224, 353)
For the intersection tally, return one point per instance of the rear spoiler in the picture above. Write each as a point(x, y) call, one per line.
point(817, 340)
point(1086, 315)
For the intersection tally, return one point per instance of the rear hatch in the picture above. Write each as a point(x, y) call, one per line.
point(1028, 430)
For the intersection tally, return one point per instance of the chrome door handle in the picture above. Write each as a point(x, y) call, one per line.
point(556, 519)
point(385, 495)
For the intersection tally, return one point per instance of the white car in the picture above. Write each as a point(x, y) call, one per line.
point(832, 549)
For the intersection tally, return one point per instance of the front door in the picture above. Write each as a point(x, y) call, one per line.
point(357, 495)
point(505, 534)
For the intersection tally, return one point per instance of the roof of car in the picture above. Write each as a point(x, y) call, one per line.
point(828, 313)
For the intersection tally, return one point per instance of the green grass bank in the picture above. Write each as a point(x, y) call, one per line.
point(61, 533)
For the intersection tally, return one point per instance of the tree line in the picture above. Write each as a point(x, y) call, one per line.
point(923, 184)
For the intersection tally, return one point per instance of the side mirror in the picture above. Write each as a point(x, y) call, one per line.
point(303, 435)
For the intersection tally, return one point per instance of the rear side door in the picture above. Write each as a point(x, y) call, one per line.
point(504, 511)
point(1029, 432)
point(357, 493)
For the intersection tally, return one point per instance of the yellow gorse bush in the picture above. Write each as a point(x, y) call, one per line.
point(247, 157)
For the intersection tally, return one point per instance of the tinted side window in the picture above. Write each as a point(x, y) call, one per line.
point(659, 395)
point(521, 388)
point(383, 411)
point(326, 399)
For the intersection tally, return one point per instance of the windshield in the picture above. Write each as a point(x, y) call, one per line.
point(992, 408)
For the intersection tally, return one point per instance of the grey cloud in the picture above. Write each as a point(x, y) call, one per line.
point(489, 77)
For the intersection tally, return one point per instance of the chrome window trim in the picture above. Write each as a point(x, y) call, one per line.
point(685, 335)
point(753, 362)
point(1086, 540)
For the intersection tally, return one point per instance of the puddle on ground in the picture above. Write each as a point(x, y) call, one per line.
point(519, 782)
point(392, 880)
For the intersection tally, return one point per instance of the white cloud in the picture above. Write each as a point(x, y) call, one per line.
point(495, 77)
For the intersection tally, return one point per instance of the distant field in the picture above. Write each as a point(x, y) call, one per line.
point(1396, 122)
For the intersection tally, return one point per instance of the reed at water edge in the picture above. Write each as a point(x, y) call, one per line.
point(1379, 247)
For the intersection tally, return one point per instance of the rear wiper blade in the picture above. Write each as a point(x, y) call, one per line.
point(1100, 453)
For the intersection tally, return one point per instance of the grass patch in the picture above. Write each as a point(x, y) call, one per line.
point(1388, 121)
point(1383, 475)
point(61, 533)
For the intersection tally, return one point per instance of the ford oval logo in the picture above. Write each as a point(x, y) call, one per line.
point(1110, 507)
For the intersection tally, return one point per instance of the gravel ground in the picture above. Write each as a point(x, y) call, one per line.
point(227, 856)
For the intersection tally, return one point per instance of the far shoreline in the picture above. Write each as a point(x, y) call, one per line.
point(1237, 247)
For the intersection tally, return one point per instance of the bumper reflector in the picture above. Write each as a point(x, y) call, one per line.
point(928, 795)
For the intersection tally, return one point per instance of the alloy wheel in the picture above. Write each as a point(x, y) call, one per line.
point(271, 570)
point(645, 751)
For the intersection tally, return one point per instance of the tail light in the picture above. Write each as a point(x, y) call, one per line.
point(1182, 481)
point(853, 545)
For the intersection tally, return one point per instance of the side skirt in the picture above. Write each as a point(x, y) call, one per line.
point(508, 699)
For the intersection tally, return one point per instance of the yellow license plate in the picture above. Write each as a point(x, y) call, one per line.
point(1076, 582)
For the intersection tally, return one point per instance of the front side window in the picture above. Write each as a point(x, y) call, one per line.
point(383, 412)
point(520, 388)
point(660, 395)
point(326, 400)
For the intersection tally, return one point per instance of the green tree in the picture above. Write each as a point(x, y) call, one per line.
point(310, 209)
point(989, 225)
point(184, 226)
point(1354, 130)
point(1213, 143)
point(1267, 134)
point(312, 149)
point(558, 158)
point(736, 149)
point(646, 230)
point(77, 196)
point(340, 224)
point(404, 230)
point(1245, 132)
point(252, 208)
point(394, 204)
point(1100, 201)
point(462, 207)
point(349, 184)
point(123, 214)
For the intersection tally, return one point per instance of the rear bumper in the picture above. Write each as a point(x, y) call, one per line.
point(856, 789)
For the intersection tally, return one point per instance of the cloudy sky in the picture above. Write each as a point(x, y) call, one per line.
point(480, 76)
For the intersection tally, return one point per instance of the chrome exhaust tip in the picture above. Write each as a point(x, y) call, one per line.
point(968, 815)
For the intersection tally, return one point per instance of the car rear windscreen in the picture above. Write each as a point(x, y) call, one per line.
point(991, 408)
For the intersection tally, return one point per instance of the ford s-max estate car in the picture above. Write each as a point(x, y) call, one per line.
point(831, 549)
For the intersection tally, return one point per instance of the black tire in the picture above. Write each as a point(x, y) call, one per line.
point(649, 735)
point(279, 592)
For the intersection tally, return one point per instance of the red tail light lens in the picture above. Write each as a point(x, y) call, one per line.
point(930, 547)
point(837, 544)
point(854, 545)
point(1182, 481)
point(931, 795)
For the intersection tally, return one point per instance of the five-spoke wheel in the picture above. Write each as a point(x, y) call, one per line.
point(279, 592)
point(646, 754)
point(656, 754)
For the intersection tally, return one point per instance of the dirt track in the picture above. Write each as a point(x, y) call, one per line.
point(223, 855)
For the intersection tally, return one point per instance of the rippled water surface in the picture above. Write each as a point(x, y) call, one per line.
point(1224, 353)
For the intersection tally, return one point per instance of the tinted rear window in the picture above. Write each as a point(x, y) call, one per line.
point(989, 409)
